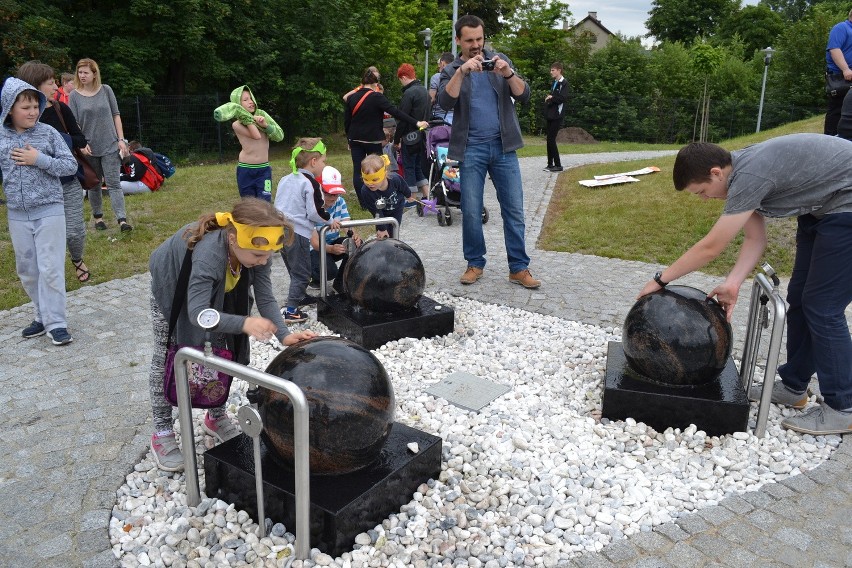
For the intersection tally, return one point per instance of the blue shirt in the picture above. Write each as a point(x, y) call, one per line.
point(484, 113)
point(337, 211)
point(840, 38)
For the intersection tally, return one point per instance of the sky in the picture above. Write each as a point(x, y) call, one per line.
point(625, 16)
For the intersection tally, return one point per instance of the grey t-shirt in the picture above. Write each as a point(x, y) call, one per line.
point(95, 116)
point(792, 175)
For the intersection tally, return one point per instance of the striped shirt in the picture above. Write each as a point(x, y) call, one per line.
point(337, 211)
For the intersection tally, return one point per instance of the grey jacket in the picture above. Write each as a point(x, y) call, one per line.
point(510, 129)
point(207, 286)
point(32, 192)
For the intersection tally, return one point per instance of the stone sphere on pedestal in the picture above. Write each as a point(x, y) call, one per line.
point(385, 275)
point(350, 399)
point(677, 337)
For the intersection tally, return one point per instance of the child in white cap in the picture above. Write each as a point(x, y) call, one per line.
point(335, 206)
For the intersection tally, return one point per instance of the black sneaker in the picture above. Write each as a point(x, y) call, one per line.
point(125, 227)
point(294, 316)
point(555, 168)
point(35, 329)
point(60, 336)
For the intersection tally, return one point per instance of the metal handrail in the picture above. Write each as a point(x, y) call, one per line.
point(301, 433)
point(346, 224)
point(762, 293)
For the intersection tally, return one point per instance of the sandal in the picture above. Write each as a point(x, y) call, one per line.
point(99, 224)
point(125, 226)
point(83, 274)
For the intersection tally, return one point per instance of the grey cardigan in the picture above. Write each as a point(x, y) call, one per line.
point(510, 129)
point(207, 286)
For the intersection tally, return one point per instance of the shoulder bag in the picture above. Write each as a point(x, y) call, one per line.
point(208, 388)
point(85, 172)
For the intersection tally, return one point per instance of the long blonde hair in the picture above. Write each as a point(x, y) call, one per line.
point(248, 211)
point(96, 73)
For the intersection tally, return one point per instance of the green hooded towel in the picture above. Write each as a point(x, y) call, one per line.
point(233, 110)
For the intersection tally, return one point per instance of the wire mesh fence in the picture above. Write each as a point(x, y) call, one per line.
point(183, 126)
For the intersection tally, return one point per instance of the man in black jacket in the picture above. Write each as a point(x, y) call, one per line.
point(554, 109)
point(415, 102)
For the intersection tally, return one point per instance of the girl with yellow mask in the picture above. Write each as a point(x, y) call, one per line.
point(389, 187)
point(229, 253)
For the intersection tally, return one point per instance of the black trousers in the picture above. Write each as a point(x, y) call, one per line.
point(552, 150)
point(832, 114)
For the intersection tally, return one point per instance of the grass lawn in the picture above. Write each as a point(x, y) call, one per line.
point(647, 221)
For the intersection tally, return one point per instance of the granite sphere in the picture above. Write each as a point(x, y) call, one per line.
point(677, 337)
point(350, 399)
point(385, 275)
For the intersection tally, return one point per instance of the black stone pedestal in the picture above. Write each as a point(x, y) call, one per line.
point(342, 506)
point(370, 330)
point(718, 407)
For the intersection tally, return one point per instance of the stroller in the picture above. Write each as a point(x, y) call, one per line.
point(444, 183)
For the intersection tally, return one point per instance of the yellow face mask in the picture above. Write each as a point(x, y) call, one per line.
point(251, 237)
point(379, 176)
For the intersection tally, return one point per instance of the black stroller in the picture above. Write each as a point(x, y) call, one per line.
point(444, 183)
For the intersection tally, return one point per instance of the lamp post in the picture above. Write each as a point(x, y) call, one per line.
point(767, 59)
point(427, 43)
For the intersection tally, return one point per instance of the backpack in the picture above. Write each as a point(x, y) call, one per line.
point(164, 165)
point(152, 177)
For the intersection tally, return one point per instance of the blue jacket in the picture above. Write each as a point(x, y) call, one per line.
point(32, 192)
point(510, 129)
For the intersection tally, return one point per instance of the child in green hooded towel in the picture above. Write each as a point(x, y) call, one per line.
point(254, 129)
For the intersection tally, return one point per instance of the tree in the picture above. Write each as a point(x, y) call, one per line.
point(705, 60)
point(757, 26)
point(493, 12)
point(534, 41)
point(686, 20)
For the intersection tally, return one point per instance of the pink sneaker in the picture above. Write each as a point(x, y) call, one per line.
point(222, 428)
point(167, 452)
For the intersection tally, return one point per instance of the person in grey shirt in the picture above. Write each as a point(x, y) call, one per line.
point(808, 176)
point(230, 254)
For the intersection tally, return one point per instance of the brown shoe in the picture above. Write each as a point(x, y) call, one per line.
point(524, 278)
point(471, 275)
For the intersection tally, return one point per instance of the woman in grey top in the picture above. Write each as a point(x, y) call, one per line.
point(230, 254)
point(96, 110)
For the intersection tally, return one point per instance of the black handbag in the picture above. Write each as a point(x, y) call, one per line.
point(836, 85)
point(413, 138)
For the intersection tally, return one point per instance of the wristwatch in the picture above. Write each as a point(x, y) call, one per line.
point(658, 278)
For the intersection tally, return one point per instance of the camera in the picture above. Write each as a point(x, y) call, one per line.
point(488, 65)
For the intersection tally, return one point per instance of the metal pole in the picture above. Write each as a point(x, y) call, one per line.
point(301, 433)
point(426, 70)
point(455, 19)
point(344, 225)
point(762, 91)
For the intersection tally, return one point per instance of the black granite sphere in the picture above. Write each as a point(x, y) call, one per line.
point(350, 398)
point(385, 275)
point(677, 337)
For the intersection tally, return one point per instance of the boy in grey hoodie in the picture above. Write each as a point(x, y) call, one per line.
point(299, 197)
point(33, 156)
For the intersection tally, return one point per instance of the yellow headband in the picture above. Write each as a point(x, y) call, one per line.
point(246, 234)
point(379, 175)
point(318, 147)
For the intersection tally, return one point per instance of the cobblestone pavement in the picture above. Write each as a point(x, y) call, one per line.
point(77, 416)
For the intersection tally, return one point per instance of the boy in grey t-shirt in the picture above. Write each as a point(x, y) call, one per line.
point(804, 175)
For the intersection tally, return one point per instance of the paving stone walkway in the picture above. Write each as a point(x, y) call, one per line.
point(77, 416)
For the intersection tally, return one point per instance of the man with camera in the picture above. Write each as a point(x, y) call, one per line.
point(481, 87)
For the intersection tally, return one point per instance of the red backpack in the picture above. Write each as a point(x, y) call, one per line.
point(152, 178)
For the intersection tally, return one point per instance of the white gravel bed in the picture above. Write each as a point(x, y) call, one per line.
point(535, 478)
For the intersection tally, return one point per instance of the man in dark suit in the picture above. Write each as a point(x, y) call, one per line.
point(554, 109)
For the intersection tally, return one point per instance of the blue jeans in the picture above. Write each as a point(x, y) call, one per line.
point(488, 158)
point(820, 289)
point(412, 163)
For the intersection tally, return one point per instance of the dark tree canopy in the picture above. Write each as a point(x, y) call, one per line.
point(686, 20)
